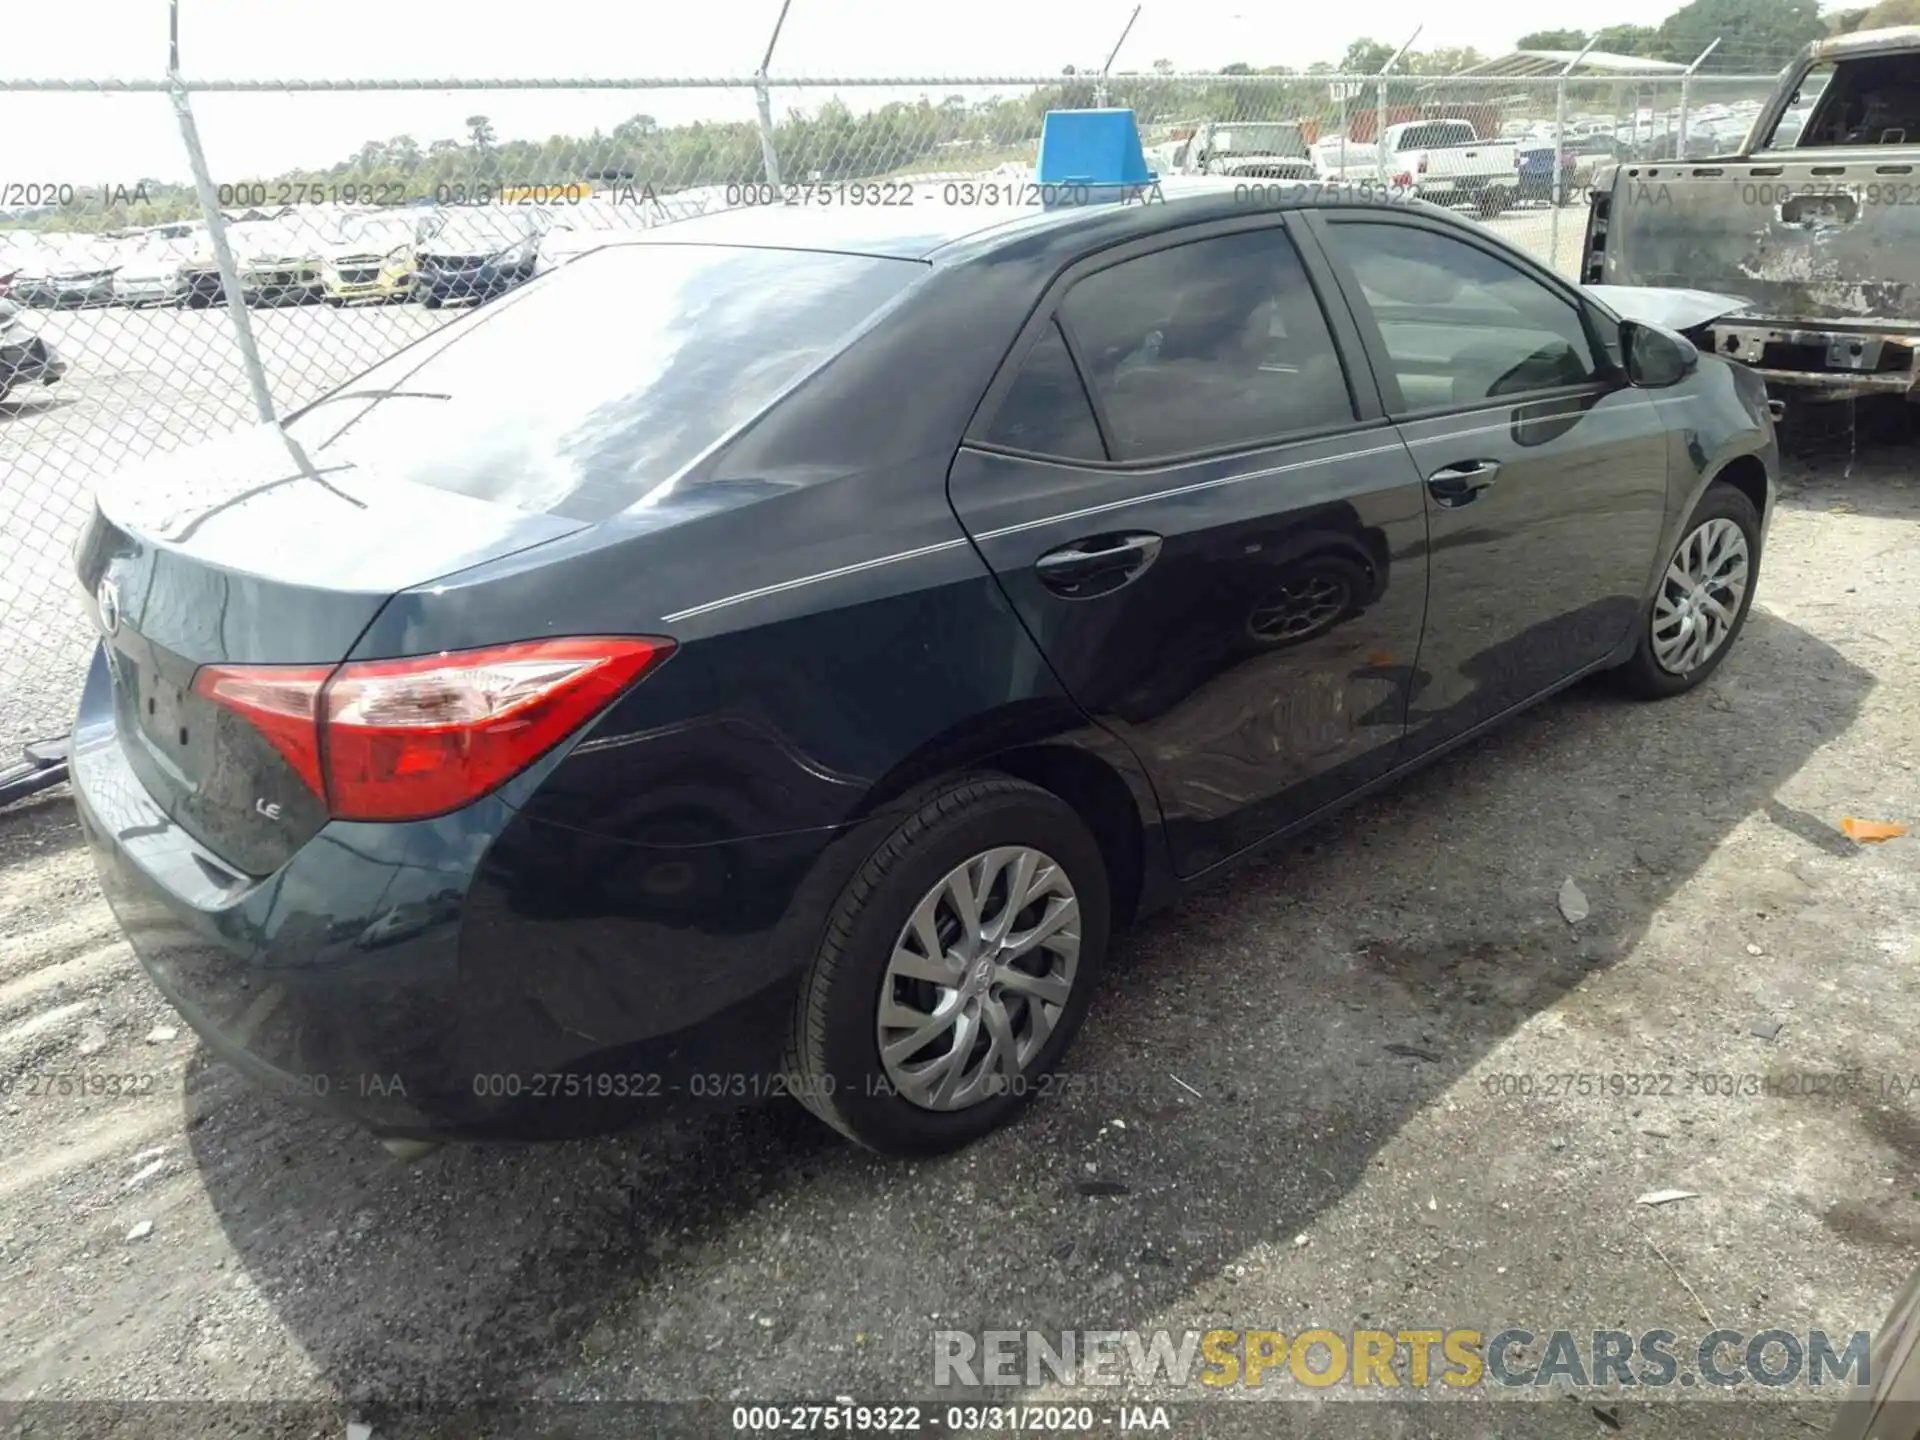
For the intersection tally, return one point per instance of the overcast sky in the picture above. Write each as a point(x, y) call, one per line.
point(83, 139)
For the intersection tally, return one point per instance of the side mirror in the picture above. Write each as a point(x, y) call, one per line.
point(1655, 357)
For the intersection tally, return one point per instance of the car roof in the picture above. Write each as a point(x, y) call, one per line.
point(948, 221)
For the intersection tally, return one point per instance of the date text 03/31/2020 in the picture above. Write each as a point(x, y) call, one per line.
point(753, 1087)
point(855, 1419)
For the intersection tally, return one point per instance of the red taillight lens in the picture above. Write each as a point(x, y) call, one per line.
point(410, 739)
point(1403, 179)
point(281, 702)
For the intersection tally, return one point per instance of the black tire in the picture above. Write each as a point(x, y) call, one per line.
point(338, 302)
point(431, 301)
point(1492, 201)
point(833, 1053)
point(1643, 676)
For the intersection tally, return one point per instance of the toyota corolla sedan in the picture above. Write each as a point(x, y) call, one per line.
point(789, 683)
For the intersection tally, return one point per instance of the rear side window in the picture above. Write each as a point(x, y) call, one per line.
point(1207, 346)
point(1046, 412)
point(586, 390)
point(1437, 136)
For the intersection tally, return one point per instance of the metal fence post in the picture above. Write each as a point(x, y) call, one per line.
point(1100, 86)
point(769, 155)
point(1559, 149)
point(1686, 88)
point(763, 101)
point(1380, 110)
point(222, 252)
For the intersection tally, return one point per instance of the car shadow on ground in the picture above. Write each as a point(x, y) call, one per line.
point(1258, 1046)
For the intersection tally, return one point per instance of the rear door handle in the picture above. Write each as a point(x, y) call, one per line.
point(1097, 565)
point(1458, 484)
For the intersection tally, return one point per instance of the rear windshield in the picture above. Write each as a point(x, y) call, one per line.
point(1436, 135)
point(604, 379)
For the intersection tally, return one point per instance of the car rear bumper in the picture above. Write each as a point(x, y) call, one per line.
point(1843, 360)
point(480, 975)
point(385, 288)
point(145, 292)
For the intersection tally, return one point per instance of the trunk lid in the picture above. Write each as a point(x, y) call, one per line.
point(247, 551)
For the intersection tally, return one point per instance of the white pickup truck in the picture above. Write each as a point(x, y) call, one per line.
point(1251, 149)
point(1444, 161)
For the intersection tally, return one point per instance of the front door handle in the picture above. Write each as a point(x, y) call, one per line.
point(1458, 484)
point(1097, 565)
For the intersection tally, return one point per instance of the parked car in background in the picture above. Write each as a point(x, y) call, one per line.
point(278, 261)
point(564, 772)
point(156, 271)
point(369, 257)
point(1541, 180)
point(1811, 217)
point(1591, 154)
point(479, 252)
point(75, 273)
point(25, 358)
point(1444, 161)
point(1251, 149)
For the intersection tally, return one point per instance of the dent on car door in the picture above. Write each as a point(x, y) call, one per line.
point(1216, 541)
point(1546, 473)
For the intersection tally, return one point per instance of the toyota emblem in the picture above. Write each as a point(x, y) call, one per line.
point(108, 598)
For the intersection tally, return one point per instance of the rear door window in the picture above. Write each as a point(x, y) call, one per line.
point(1046, 412)
point(1208, 345)
point(583, 391)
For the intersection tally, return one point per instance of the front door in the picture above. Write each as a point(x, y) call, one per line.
point(1209, 528)
point(1545, 472)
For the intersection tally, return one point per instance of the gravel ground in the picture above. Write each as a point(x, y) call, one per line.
point(1296, 1092)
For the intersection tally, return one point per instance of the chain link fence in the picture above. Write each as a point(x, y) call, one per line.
point(135, 333)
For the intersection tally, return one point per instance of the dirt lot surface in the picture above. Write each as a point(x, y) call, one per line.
point(1343, 1089)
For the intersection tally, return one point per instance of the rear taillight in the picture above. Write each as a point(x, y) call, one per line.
point(1403, 179)
point(410, 739)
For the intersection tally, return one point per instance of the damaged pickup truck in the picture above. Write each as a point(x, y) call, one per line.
point(1814, 224)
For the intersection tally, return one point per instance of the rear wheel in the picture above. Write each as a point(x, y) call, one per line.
point(1494, 200)
point(1703, 598)
point(956, 968)
point(431, 301)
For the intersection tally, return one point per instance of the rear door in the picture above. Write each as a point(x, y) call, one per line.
point(1208, 526)
point(1546, 474)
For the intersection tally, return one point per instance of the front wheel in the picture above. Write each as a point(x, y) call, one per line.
point(1701, 605)
point(955, 969)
